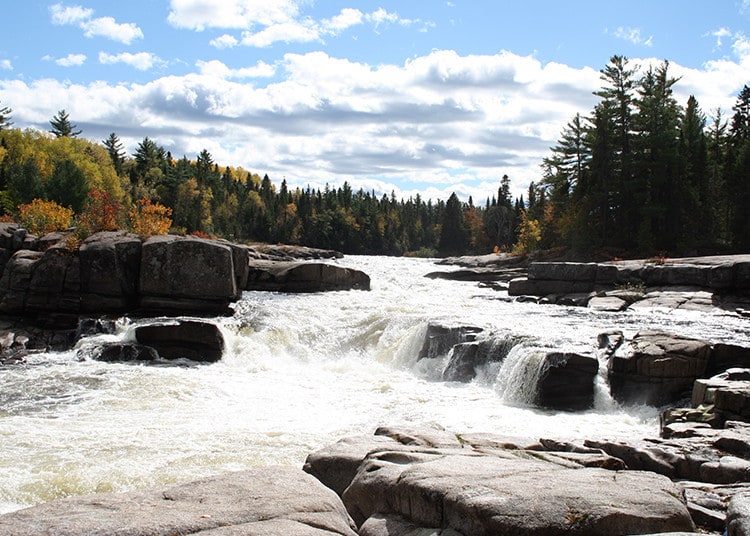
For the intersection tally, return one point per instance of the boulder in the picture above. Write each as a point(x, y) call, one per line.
point(440, 338)
point(510, 493)
point(190, 339)
point(304, 277)
point(467, 357)
point(110, 266)
point(124, 352)
point(268, 501)
point(738, 515)
point(657, 368)
point(567, 381)
point(186, 273)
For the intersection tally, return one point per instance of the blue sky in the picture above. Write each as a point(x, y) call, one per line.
point(422, 97)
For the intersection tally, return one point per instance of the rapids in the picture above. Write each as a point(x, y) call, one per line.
point(300, 372)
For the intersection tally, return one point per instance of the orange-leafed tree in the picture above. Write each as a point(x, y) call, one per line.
point(149, 219)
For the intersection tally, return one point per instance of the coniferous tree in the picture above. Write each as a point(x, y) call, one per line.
point(62, 127)
point(5, 121)
point(116, 152)
point(453, 234)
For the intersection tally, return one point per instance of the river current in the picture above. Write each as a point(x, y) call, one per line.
point(300, 372)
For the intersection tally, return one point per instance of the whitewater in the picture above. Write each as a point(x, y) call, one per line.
point(299, 372)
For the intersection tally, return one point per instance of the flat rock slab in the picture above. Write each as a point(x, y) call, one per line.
point(511, 493)
point(269, 501)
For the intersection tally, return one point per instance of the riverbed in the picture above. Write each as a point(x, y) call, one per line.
point(299, 372)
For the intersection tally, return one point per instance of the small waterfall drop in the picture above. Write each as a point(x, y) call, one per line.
point(518, 378)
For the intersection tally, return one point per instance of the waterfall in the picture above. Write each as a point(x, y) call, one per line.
point(519, 375)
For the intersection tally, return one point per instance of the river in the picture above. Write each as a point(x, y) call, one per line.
point(299, 372)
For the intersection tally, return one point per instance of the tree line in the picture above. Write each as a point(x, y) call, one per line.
point(640, 174)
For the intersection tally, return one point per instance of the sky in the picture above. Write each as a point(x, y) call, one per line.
point(421, 97)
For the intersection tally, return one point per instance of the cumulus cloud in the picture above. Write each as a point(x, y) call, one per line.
point(217, 69)
point(143, 61)
point(6, 65)
point(95, 27)
point(633, 35)
point(453, 121)
point(230, 14)
point(261, 24)
point(71, 60)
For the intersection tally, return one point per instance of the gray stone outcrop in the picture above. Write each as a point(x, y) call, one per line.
point(689, 283)
point(304, 277)
point(118, 272)
point(267, 501)
point(440, 483)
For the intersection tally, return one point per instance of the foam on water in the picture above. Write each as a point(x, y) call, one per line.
point(299, 372)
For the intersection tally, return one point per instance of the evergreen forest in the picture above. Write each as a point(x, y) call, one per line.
point(641, 174)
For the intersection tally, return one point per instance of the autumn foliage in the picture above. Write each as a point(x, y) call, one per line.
point(101, 212)
point(149, 219)
point(41, 217)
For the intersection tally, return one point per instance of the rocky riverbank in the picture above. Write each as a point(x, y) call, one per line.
point(47, 286)
point(404, 481)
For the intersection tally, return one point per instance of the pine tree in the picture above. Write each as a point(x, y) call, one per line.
point(5, 121)
point(62, 127)
point(454, 236)
point(116, 152)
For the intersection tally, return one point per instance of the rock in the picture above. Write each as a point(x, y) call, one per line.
point(190, 339)
point(725, 356)
point(268, 501)
point(567, 381)
point(55, 283)
point(337, 464)
point(738, 515)
point(124, 352)
point(110, 266)
point(727, 470)
point(480, 274)
point(522, 286)
point(186, 273)
point(16, 281)
point(280, 252)
point(728, 394)
point(441, 338)
point(657, 368)
point(563, 271)
point(508, 493)
point(607, 303)
point(467, 357)
point(304, 277)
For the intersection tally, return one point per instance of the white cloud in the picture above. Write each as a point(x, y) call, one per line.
point(218, 69)
point(346, 19)
point(95, 27)
point(720, 34)
point(264, 23)
point(451, 121)
point(63, 15)
point(143, 61)
point(633, 35)
point(6, 65)
point(71, 60)
point(109, 28)
point(224, 41)
point(230, 14)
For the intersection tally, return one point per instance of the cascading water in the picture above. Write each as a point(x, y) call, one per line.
point(298, 373)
